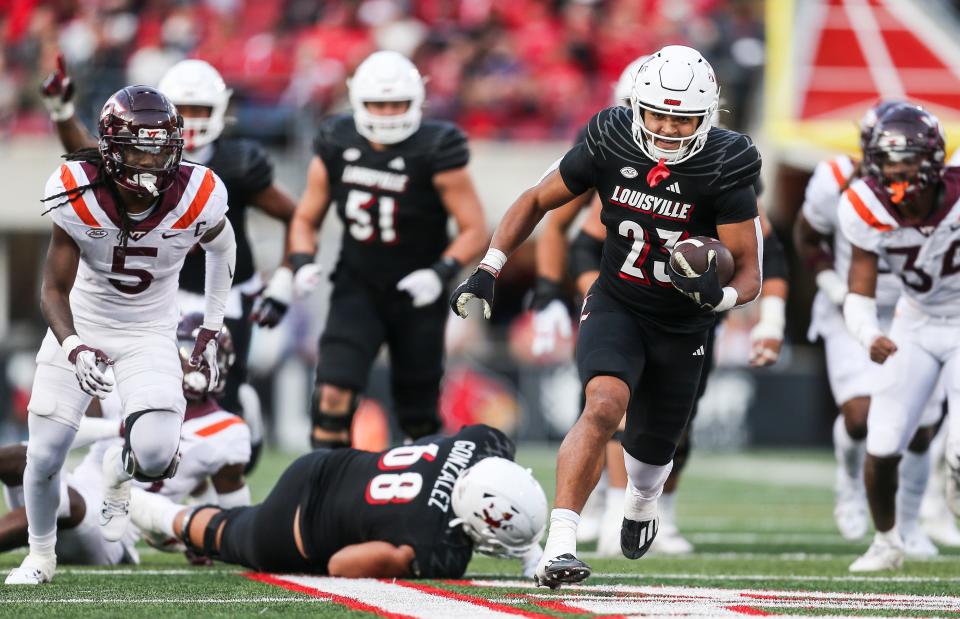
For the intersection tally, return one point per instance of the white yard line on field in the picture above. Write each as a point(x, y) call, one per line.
point(256, 600)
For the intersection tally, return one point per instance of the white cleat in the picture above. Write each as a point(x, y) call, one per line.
point(943, 530)
point(115, 511)
point(670, 542)
point(881, 556)
point(850, 512)
point(35, 570)
point(917, 545)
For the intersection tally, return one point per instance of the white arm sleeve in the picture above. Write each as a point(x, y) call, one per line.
point(220, 265)
point(860, 314)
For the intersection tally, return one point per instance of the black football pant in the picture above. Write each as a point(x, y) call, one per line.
point(662, 369)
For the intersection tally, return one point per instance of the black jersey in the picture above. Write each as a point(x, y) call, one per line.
point(645, 218)
point(394, 220)
point(245, 170)
point(401, 496)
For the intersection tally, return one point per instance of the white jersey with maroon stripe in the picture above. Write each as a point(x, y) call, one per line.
point(134, 285)
point(925, 257)
point(820, 209)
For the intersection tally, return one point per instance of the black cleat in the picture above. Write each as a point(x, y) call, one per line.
point(563, 570)
point(636, 537)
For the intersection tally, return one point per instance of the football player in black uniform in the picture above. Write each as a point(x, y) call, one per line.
point(201, 97)
point(416, 511)
point(663, 174)
point(395, 181)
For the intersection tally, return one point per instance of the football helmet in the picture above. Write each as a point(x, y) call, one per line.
point(869, 119)
point(195, 82)
point(501, 507)
point(624, 85)
point(905, 133)
point(676, 80)
point(140, 139)
point(194, 380)
point(386, 76)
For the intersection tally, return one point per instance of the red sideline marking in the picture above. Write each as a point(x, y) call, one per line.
point(453, 595)
point(339, 599)
point(560, 607)
point(747, 610)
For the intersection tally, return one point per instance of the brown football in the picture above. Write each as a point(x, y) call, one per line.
point(694, 251)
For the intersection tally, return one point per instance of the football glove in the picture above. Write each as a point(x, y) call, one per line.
point(57, 92)
point(423, 286)
point(89, 365)
point(204, 355)
point(549, 323)
point(479, 285)
point(704, 289)
point(272, 304)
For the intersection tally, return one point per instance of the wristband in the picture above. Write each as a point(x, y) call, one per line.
point(299, 260)
point(493, 262)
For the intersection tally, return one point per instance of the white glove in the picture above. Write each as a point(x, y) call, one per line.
point(89, 364)
point(423, 285)
point(832, 285)
point(530, 560)
point(307, 279)
point(548, 323)
point(204, 355)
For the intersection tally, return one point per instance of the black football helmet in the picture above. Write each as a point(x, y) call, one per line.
point(194, 380)
point(905, 133)
point(141, 139)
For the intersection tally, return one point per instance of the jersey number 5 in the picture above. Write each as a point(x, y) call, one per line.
point(362, 226)
point(143, 276)
point(399, 487)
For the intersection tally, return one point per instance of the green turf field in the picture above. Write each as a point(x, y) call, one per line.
point(761, 523)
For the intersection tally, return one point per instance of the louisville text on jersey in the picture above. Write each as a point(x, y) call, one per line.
point(646, 203)
point(368, 177)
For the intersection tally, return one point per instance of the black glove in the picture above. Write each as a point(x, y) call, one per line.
point(478, 286)
point(545, 291)
point(704, 289)
point(267, 311)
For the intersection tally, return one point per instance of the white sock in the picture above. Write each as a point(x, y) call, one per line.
point(48, 446)
point(849, 452)
point(562, 538)
point(615, 497)
point(914, 471)
point(644, 486)
point(668, 509)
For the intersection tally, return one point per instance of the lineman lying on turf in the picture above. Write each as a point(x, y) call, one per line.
point(413, 511)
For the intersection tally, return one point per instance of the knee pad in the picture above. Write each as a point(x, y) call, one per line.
point(332, 422)
point(129, 457)
point(208, 549)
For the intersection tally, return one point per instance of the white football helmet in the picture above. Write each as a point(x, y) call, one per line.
point(195, 82)
point(501, 507)
point(386, 76)
point(675, 80)
point(624, 86)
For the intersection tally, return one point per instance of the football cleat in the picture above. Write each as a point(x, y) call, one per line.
point(35, 570)
point(917, 545)
point(636, 537)
point(115, 510)
point(850, 512)
point(881, 556)
point(562, 570)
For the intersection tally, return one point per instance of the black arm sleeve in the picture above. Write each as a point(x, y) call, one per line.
point(450, 150)
point(577, 170)
point(774, 258)
point(586, 254)
point(736, 205)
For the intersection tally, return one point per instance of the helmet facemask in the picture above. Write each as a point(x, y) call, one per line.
point(143, 164)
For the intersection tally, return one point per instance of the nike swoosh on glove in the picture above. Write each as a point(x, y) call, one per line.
point(204, 355)
point(479, 285)
point(705, 288)
point(423, 286)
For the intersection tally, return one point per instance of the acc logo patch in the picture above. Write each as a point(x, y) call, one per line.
point(629, 172)
point(351, 154)
point(97, 233)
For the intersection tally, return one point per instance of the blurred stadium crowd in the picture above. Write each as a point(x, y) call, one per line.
point(502, 69)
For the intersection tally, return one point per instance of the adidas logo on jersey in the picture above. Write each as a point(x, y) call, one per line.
point(698, 352)
point(397, 164)
point(675, 187)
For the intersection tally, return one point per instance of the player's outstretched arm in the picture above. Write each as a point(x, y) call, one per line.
point(766, 337)
point(57, 92)
point(515, 227)
point(220, 245)
point(860, 305)
point(743, 241)
point(372, 560)
point(299, 273)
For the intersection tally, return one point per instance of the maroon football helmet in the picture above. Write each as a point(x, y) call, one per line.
point(869, 119)
point(141, 139)
point(195, 381)
point(906, 134)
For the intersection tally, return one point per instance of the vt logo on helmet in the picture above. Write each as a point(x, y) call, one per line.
point(382, 78)
point(140, 140)
point(675, 81)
